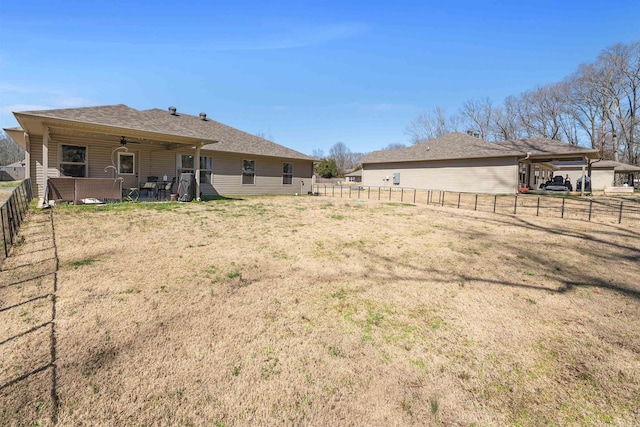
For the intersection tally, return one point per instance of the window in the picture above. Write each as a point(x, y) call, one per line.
point(185, 164)
point(287, 173)
point(248, 172)
point(205, 170)
point(126, 164)
point(73, 161)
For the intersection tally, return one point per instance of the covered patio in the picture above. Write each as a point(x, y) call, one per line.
point(106, 162)
point(538, 166)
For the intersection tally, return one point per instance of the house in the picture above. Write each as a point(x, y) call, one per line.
point(537, 166)
point(355, 176)
point(604, 173)
point(117, 141)
point(463, 163)
point(12, 172)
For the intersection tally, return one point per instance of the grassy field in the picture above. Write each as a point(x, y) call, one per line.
point(6, 188)
point(314, 311)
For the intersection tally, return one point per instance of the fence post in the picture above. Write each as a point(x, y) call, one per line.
point(341, 191)
point(563, 199)
point(495, 199)
point(538, 207)
point(428, 197)
point(18, 196)
point(414, 196)
point(475, 207)
point(368, 193)
point(389, 193)
point(379, 189)
point(515, 205)
point(458, 200)
point(402, 195)
point(358, 192)
point(620, 215)
point(443, 198)
point(590, 205)
point(4, 234)
point(12, 219)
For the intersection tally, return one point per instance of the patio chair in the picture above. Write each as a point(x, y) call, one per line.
point(165, 188)
point(149, 186)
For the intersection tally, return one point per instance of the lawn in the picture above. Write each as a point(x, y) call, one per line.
point(6, 188)
point(315, 311)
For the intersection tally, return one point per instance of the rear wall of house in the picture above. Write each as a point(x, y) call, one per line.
point(157, 160)
point(494, 176)
point(226, 176)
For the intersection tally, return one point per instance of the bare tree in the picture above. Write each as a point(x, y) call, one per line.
point(433, 124)
point(342, 156)
point(317, 153)
point(9, 151)
point(265, 135)
point(505, 120)
point(394, 146)
point(623, 61)
point(480, 115)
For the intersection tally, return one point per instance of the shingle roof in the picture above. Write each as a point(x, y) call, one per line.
point(184, 125)
point(544, 146)
point(454, 145)
point(617, 166)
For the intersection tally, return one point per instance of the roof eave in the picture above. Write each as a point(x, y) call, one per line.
point(516, 155)
point(17, 134)
point(116, 130)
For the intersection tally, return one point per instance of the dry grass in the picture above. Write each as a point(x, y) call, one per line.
point(315, 311)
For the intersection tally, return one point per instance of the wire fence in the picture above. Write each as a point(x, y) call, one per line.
point(601, 209)
point(12, 213)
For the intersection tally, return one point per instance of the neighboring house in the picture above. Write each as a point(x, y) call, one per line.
point(464, 163)
point(119, 141)
point(12, 172)
point(355, 176)
point(604, 173)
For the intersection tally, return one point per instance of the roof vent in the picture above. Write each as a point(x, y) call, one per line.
point(203, 116)
point(172, 110)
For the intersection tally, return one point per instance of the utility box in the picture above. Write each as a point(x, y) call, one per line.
point(396, 179)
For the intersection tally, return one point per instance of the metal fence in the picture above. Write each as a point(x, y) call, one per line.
point(602, 209)
point(76, 189)
point(12, 213)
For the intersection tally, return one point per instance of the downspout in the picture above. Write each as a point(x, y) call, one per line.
point(43, 200)
point(27, 156)
point(528, 170)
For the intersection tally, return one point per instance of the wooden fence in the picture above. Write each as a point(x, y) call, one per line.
point(12, 213)
point(602, 209)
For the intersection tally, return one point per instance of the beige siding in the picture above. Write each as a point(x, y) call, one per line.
point(36, 165)
point(227, 174)
point(156, 160)
point(494, 175)
point(600, 178)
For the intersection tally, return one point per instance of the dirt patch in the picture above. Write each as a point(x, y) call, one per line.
point(315, 311)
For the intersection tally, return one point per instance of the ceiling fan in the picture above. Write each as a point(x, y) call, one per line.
point(124, 142)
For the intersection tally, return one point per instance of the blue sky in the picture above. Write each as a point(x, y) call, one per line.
point(307, 73)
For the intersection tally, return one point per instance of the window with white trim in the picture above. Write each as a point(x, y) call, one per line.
point(248, 172)
point(126, 163)
point(287, 173)
point(186, 162)
point(73, 161)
